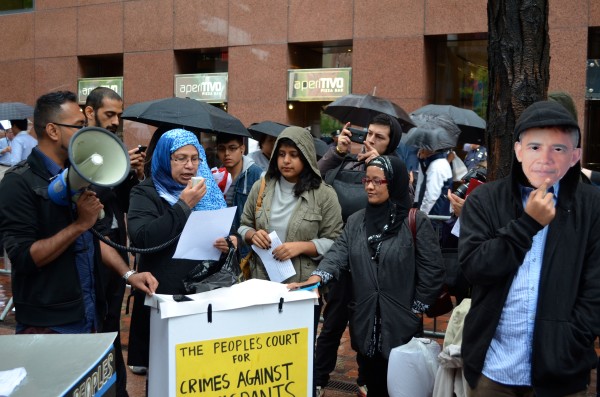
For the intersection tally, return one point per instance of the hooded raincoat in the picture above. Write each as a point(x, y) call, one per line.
point(316, 217)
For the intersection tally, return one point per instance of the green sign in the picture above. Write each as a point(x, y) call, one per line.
point(319, 84)
point(206, 87)
point(85, 86)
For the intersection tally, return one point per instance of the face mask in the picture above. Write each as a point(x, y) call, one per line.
point(467, 147)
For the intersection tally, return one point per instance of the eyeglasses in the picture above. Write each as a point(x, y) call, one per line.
point(376, 182)
point(230, 148)
point(183, 160)
point(78, 127)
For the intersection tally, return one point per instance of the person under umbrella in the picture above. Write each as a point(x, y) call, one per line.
point(435, 136)
point(5, 151)
point(23, 142)
point(158, 211)
point(383, 135)
point(391, 284)
point(266, 134)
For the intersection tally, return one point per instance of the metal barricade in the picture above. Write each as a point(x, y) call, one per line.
point(6, 270)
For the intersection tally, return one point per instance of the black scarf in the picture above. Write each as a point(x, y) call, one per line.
point(383, 221)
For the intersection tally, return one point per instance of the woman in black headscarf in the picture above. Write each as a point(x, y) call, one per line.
point(395, 277)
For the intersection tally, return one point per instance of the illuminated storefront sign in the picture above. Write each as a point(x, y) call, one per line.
point(318, 84)
point(85, 86)
point(207, 87)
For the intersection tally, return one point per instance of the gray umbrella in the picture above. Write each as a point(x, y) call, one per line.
point(15, 111)
point(433, 132)
point(472, 126)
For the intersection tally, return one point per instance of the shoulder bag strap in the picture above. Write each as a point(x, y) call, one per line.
point(335, 171)
point(412, 223)
point(259, 200)
point(246, 274)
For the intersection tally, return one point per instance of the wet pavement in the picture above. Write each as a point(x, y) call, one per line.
point(342, 383)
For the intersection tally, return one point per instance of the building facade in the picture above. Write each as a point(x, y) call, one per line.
point(412, 52)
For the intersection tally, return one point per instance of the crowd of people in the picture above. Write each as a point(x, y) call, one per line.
point(526, 244)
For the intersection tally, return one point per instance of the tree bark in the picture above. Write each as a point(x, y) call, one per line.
point(519, 65)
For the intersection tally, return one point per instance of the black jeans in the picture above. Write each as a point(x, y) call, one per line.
point(375, 370)
point(335, 320)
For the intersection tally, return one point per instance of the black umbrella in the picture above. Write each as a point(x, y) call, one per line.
point(185, 113)
point(271, 128)
point(472, 126)
point(359, 109)
point(15, 111)
point(320, 147)
point(433, 132)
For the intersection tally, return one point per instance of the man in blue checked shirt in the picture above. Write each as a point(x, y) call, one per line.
point(530, 246)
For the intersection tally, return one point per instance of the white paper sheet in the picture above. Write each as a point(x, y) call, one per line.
point(201, 231)
point(277, 271)
point(10, 379)
point(456, 228)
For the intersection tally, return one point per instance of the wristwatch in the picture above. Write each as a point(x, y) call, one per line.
point(337, 149)
point(129, 274)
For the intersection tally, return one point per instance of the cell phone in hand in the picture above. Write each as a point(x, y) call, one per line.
point(142, 148)
point(358, 134)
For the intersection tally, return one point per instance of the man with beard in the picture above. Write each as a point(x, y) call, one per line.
point(104, 108)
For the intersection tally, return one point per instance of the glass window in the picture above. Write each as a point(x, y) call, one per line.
point(461, 74)
point(7, 6)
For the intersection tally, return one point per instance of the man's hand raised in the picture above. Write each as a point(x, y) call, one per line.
point(368, 154)
point(540, 204)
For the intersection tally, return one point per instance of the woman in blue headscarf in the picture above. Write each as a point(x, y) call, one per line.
point(158, 210)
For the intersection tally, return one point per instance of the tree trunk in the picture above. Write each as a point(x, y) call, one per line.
point(519, 63)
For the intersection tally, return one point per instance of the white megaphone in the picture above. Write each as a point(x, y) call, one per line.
point(97, 157)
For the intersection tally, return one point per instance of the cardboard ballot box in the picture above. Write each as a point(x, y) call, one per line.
point(71, 365)
point(252, 339)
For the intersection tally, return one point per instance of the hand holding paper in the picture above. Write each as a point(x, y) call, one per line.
point(277, 271)
point(201, 231)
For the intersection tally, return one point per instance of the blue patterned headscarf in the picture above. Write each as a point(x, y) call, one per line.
point(166, 186)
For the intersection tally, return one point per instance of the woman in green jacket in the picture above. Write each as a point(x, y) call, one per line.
point(297, 204)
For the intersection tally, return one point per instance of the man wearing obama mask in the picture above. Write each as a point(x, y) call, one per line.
point(530, 247)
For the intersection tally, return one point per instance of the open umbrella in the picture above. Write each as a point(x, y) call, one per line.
point(271, 128)
point(320, 147)
point(185, 113)
point(433, 132)
point(472, 126)
point(15, 111)
point(359, 109)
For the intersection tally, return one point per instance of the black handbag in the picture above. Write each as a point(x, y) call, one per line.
point(443, 303)
point(210, 274)
point(347, 183)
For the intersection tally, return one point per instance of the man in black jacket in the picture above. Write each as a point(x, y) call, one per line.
point(55, 259)
point(529, 246)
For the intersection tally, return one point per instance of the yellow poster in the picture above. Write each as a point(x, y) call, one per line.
point(273, 364)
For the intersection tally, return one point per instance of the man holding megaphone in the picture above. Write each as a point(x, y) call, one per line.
point(55, 258)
